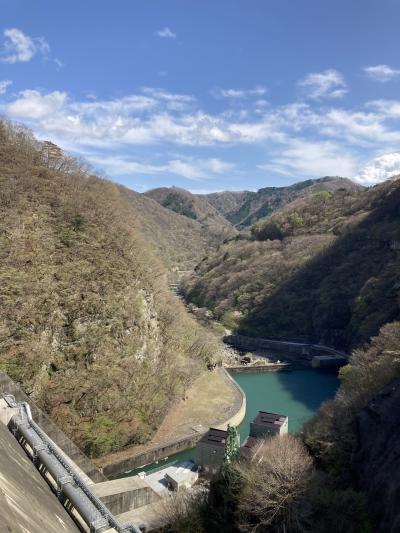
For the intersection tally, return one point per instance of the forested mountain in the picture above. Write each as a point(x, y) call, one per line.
point(88, 325)
point(244, 208)
point(213, 226)
point(91, 331)
point(324, 268)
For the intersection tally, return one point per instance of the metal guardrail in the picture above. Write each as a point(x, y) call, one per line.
point(68, 482)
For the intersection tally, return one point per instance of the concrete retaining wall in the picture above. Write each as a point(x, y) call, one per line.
point(151, 455)
point(7, 385)
point(259, 369)
point(178, 445)
point(295, 352)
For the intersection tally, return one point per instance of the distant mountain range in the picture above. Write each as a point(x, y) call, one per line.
point(321, 267)
point(242, 208)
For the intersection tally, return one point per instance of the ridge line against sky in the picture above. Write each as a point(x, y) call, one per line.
point(227, 132)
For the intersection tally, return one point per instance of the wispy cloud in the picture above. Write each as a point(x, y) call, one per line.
point(297, 139)
point(326, 84)
point(194, 169)
point(19, 47)
point(4, 84)
point(239, 93)
point(379, 169)
point(166, 33)
point(33, 105)
point(382, 73)
point(302, 158)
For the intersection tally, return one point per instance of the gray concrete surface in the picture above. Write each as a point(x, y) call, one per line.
point(27, 505)
point(121, 495)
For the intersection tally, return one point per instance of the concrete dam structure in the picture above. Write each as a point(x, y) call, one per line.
point(73, 491)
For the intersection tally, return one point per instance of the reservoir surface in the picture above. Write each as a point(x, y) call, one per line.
point(297, 394)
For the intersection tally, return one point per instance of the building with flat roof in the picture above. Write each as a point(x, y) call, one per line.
point(181, 476)
point(268, 424)
point(210, 450)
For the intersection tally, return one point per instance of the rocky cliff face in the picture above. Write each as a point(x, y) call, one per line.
point(376, 462)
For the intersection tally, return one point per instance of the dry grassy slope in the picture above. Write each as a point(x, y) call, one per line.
point(87, 324)
point(320, 268)
point(214, 227)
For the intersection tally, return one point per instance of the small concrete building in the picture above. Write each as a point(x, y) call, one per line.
point(268, 424)
point(210, 450)
point(182, 476)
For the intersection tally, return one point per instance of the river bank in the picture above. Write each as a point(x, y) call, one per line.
point(297, 394)
point(214, 400)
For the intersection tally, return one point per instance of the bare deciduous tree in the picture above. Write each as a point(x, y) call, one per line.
point(181, 512)
point(274, 485)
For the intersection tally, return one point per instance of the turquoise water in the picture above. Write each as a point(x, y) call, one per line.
point(297, 394)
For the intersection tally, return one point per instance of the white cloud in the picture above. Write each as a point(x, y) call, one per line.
point(298, 139)
point(33, 105)
point(4, 84)
point(189, 168)
point(382, 73)
point(379, 169)
point(305, 159)
point(239, 93)
point(359, 127)
point(171, 101)
point(166, 33)
point(326, 84)
point(19, 47)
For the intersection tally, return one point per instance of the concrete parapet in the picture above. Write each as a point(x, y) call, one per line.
point(6, 412)
point(259, 369)
point(239, 408)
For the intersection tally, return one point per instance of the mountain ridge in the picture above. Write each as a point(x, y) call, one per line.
point(243, 208)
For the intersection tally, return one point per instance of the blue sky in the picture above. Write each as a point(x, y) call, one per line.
point(211, 94)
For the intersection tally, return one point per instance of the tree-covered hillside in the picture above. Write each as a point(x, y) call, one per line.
point(244, 208)
point(203, 216)
point(324, 268)
point(88, 326)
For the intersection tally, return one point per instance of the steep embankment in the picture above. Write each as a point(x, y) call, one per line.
point(87, 322)
point(322, 268)
point(376, 458)
point(245, 208)
point(178, 240)
point(203, 216)
point(355, 437)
